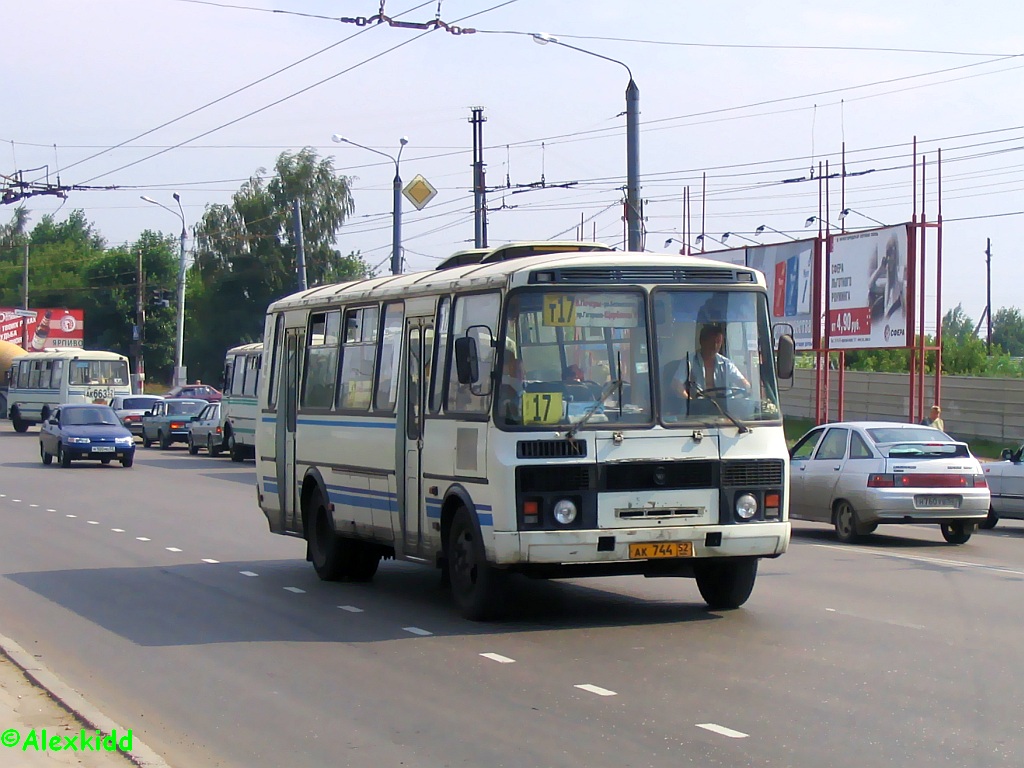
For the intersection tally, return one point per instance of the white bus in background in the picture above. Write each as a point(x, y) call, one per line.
point(239, 408)
point(40, 381)
point(518, 411)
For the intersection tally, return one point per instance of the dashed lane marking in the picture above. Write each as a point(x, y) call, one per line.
point(70, 515)
point(595, 689)
point(296, 590)
point(248, 573)
point(208, 560)
point(498, 658)
point(350, 608)
point(117, 530)
point(417, 631)
point(172, 549)
point(142, 538)
point(721, 730)
point(93, 522)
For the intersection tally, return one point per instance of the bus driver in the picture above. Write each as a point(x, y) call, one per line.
point(709, 370)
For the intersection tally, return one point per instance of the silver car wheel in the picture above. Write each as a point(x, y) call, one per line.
point(846, 522)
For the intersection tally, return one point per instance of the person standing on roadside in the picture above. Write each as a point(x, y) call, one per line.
point(934, 419)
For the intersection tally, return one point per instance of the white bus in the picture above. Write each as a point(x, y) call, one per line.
point(523, 414)
point(40, 381)
point(239, 407)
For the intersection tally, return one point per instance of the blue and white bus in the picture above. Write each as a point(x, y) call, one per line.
point(532, 409)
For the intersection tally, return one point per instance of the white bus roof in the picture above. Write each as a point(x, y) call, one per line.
point(70, 353)
point(245, 349)
point(622, 266)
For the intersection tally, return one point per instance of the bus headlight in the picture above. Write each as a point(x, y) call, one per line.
point(565, 512)
point(746, 506)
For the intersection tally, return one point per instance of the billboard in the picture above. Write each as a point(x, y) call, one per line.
point(788, 269)
point(49, 328)
point(867, 290)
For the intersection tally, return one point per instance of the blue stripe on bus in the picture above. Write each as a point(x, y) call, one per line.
point(336, 423)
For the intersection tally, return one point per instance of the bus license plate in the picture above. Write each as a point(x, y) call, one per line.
point(952, 502)
point(654, 550)
point(103, 449)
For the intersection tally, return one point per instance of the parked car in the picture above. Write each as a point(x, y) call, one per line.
point(198, 391)
point(204, 431)
point(131, 408)
point(1006, 484)
point(857, 475)
point(168, 421)
point(85, 431)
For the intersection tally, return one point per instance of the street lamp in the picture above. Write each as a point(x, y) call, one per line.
point(179, 328)
point(763, 227)
point(727, 235)
point(847, 211)
point(699, 240)
point(682, 250)
point(632, 142)
point(826, 222)
point(396, 214)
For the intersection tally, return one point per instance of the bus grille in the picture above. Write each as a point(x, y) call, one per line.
point(561, 478)
point(752, 473)
point(653, 475)
point(645, 275)
point(550, 449)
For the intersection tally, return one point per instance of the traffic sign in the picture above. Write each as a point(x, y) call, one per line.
point(419, 192)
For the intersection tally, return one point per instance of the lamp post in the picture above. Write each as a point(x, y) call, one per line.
point(727, 235)
point(633, 234)
point(763, 227)
point(826, 222)
point(396, 214)
point(179, 326)
point(683, 250)
point(847, 211)
point(699, 240)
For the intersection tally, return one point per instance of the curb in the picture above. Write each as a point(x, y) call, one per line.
point(71, 700)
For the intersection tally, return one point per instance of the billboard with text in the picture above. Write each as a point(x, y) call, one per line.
point(788, 269)
point(867, 289)
point(49, 328)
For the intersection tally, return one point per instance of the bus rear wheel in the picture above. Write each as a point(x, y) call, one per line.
point(726, 584)
point(20, 425)
point(336, 557)
point(237, 454)
point(478, 588)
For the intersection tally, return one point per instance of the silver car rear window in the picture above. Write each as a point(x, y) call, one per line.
point(928, 450)
point(908, 435)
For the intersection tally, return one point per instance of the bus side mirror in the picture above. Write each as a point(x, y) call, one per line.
point(467, 361)
point(785, 356)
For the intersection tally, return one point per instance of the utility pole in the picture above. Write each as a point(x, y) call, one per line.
point(300, 253)
point(24, 303)
point(139, 334)
point(988, 292)
point(479, 189)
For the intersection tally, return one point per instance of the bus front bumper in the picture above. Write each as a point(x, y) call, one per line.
point(758, 539)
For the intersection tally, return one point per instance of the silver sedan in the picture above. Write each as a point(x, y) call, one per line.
point(856, 475)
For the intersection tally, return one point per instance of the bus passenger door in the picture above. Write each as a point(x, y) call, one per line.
point(419, 346)
point(287, 400)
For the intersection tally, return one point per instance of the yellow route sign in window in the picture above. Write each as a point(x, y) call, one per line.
point(559, 309)
point(419, 192)
point(542, 407)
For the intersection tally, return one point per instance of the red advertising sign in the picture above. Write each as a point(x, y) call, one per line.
point(49, 328)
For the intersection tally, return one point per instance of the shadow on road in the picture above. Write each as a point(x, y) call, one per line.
point(883, 538)
point(198, 604)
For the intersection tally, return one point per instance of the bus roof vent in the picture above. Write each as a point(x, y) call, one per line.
point(463, 258)
point(551, 449)
point(638, 274)
point(520, 250)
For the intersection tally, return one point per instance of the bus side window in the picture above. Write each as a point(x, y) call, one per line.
point(225, 383)
point(252, 375)
point(390, 354)
point(57, 374)
point(358, 355)
point(480, 312)
point(321, 361)
point(440, 354)
point(23, 372)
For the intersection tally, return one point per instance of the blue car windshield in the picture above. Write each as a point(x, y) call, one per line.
point(80, 417)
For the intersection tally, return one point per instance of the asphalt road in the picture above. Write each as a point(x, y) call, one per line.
point(158, 592)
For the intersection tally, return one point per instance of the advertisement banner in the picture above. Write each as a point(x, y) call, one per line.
point(49, 328)
point(867, 290)
point(788, 269)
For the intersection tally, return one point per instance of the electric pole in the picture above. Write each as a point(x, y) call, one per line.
point(479, 189)
point(988, 292)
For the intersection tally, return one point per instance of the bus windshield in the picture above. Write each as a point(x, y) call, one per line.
point(715, 356)
point(107, 372)
point(574, 356)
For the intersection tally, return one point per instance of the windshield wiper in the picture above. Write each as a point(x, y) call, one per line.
point(702, 394)
point(605, 391)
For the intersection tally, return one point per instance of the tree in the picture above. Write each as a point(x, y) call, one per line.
point(245, 253)
point(1008, 330)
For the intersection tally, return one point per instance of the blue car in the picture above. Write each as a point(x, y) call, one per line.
point(87, 431)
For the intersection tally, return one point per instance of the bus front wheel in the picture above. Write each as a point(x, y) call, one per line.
point(20, 425)
point(478, 588)
point(726, 584)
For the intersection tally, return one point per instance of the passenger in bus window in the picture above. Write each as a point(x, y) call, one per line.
point(510, 391)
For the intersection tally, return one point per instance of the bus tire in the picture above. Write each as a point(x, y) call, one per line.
point(326, 548)
point(726, 584)
point(361, 560)
point(20, 425)
point(478, 588)
point(237, 454)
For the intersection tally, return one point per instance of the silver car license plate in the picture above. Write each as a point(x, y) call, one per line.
point(933, 501)
point(103, 449)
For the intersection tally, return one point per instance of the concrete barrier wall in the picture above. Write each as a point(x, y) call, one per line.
point(971, 407)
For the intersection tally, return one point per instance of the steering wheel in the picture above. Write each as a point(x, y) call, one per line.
point(727, 392)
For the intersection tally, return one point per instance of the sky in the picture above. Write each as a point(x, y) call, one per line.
point(740, 104)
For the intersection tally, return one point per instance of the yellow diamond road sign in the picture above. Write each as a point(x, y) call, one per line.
point(419, 192)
